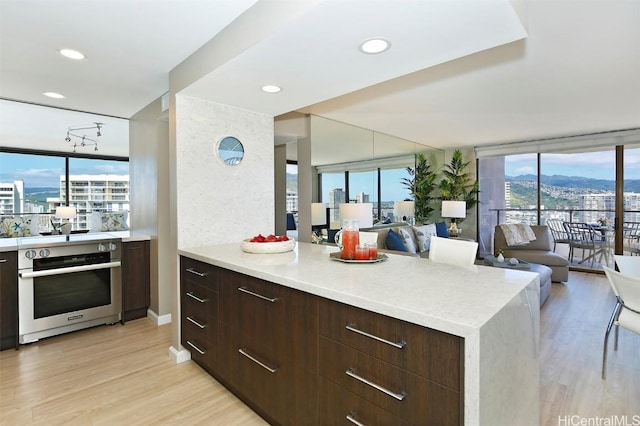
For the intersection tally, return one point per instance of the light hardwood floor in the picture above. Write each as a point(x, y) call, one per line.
point(115, 375)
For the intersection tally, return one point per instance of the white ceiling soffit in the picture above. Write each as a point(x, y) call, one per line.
point(37, 127)
point(577, 72)
point(131, 45)
point(317, 57)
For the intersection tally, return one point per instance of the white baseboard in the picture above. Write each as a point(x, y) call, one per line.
point(158, 319)
point(179, 356)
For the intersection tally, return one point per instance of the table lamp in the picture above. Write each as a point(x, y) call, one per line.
point(405, 210)
point(362, 212)
point(65, 213)
point(319, 220)
point(454, 210)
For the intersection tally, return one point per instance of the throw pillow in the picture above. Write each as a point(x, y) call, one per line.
point(114, 221)
point(14, 227)
point(408, 239)
point(393, 241)
point(442, 230)
point(423, 236)
point(94, 221)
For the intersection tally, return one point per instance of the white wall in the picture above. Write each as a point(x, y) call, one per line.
point(148, 162)
point(217, 203)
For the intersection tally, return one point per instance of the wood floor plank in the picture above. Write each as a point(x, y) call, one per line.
point(122, 375)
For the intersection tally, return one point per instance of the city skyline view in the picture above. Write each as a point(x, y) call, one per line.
point(45, 171)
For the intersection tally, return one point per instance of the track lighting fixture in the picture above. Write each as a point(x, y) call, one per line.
point(84, 140)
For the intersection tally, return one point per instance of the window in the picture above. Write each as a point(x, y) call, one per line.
point(36, 183)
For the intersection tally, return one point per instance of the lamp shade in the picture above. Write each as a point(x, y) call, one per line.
point(318, 214)
point(65, 212)
point(454, 209)
point(363, 212)
point(404, 208)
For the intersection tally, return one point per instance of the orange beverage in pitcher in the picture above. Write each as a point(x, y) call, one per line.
point(350, 240)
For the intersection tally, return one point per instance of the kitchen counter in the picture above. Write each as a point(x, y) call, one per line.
point(11, 244)
point(495, 310)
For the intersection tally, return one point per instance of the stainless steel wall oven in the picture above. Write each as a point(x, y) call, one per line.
point(68, 287)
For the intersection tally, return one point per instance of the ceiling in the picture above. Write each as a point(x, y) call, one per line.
point(459, 73)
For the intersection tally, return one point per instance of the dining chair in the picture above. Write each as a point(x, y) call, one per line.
point(558, 232)
point(453, 251)
point(583, 236)
point(626, 313)
point(631, 237)
point(628, 265)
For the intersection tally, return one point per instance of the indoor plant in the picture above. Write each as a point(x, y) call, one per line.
point(457, 183)
point(421, 185)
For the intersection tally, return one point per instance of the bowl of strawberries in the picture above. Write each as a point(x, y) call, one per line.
point(270, 244)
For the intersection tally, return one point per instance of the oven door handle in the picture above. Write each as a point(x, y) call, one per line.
point(70, 269)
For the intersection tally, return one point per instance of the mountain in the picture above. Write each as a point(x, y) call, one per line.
point(630, 185)
point(292, 182)
point(560, 192)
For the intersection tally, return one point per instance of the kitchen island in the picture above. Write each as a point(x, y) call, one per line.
point(491, 314)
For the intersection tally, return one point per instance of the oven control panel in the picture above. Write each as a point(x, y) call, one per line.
point(28, 255)
point(107, 247)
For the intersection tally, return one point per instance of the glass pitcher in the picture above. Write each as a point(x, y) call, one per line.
point(349, 238)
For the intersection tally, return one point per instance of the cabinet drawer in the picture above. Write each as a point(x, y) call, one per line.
point(263, 382)
point(340, 407)
point(198, 273)
point(403, 394)
point(199, 302)
point(428, 353)
point(201, 343)
point(258, 311)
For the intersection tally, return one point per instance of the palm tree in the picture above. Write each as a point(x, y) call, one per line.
point(421, 185)
point(456, 183)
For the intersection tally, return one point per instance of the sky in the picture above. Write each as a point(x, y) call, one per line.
point(596, 165)
point(41, 171)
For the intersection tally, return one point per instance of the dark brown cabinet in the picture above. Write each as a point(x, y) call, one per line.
point(296, 358)
point(8, 300)
point(135, 279)
point(199, 311)
point(269, 347)
point(410, 372)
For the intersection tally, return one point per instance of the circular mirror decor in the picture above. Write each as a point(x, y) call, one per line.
point(230, 150)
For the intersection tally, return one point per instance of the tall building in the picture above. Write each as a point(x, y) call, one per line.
point(292, 201)
point(362, 198)
point(336, 197)
point(605, 204)
point(90, 193)
point(12, 197)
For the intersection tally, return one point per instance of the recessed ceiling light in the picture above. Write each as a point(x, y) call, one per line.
point(54, 95)
point(269, 88)
point(72, 54)
point(374, 45)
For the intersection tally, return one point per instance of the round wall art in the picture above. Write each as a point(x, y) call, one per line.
point(230, 150)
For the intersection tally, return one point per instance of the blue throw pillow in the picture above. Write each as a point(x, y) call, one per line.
point(394, 242)
point(441, 230)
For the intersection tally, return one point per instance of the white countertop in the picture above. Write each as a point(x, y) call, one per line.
point(452, 299)
point(10, 244)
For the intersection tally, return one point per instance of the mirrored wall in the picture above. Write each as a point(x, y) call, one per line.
point(352, 164)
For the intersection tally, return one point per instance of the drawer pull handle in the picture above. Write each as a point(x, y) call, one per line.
point(398, 396)
point(261, 364)
point(195, 322)
point(200, 351)
point(193, 271)
point(193, 296)
point(3, 260)
point(353, 420)
point(268, 299)
point(379, 339)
